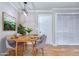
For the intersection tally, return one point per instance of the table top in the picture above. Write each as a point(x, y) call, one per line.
point(25, 38)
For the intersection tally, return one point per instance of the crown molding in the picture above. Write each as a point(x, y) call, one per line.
point(65, 8)
point(40, 10)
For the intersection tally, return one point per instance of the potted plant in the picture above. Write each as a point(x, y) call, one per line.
point(21, 29)
point(29, 30)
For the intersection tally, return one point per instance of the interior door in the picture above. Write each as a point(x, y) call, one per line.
point(45, 26)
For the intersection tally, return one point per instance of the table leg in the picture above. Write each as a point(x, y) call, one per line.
point(16, 48)
point(24, 47)
point(33, 49)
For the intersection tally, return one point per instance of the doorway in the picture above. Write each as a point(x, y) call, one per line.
point(45, 26)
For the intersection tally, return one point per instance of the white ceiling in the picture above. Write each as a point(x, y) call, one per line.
point(50, 5)
point(45, 5)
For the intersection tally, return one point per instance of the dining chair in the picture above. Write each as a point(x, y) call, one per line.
point(11, 46)
point(41, 43)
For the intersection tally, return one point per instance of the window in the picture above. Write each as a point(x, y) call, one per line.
point(67, 29)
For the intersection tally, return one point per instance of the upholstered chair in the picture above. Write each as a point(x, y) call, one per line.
point(41, 43)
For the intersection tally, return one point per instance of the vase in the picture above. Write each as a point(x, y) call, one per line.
point(28, 34)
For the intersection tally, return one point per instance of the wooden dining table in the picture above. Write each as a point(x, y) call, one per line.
point(25, 39)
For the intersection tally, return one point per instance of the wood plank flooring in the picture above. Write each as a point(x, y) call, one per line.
point(60, 50)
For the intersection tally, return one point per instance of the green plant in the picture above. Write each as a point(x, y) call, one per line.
point(21, 29)
point(29, 30)
point(9, 22)
point(9, 25)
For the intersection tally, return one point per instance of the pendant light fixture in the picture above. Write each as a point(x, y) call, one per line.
point(24, 10)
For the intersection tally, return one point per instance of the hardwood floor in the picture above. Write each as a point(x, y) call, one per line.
point(60, 50)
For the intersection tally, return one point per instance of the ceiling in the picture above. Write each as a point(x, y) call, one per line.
point(45, 5)
point(50, 5)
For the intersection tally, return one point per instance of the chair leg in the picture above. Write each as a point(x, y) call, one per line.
point(36, 52)
point(42, 51)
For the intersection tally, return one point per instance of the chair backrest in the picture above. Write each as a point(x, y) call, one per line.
point(42, 41)
point(10, 43)
point(43, 38)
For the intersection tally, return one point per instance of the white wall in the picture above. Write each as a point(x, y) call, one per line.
point(6, 7)
point(32, 21)
point(29, 21)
